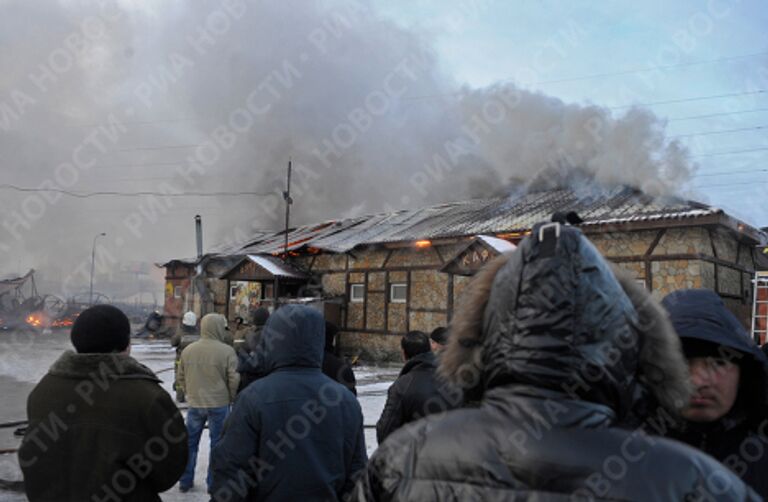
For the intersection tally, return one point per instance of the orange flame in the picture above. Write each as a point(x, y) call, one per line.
point(35, 320)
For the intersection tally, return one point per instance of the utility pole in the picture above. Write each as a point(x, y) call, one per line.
point(288, 202)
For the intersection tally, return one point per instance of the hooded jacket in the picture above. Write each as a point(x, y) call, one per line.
point(417, 392)
point(208, 367)
point(562, 357)
point(96, 423)
point(294, 434)
point(701, 315)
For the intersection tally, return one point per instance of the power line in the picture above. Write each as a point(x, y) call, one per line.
point(756, 184)
point(608, 74)
point(85, 195)
point(730, 152)
point(686, 100)
point(149, 164)
point(723, 131)
point(747, 171)
point(718, 114)
point(649, 68)
point(169, 147)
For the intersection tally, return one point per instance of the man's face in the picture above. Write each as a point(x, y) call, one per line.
point(715, 386)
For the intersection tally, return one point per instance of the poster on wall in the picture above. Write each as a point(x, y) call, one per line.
point(244, 297)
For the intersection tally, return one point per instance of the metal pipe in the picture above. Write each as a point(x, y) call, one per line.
point(199, 235)
point(93, 261)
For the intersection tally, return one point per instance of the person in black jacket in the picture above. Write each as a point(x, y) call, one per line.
point(727, 416)
point(563, 352)
point(417, 392)
point(294, 434)
point(333, 365)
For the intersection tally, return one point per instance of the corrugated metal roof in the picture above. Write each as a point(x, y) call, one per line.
point(480, 216)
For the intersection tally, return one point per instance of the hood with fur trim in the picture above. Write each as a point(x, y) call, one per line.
point(556, 316)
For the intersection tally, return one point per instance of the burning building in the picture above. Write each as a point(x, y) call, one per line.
point(394, 272)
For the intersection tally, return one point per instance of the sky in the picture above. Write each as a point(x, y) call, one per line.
point(549, 46)
point(130, 117)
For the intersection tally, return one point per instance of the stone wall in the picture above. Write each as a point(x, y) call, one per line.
point(684, 241)
point(623, 244)
point(335, 283)
point(396, 321)
point(333, 262)
point(375, 311)
point(672, 275)
point(370, 346)
point(427, 321)
point(414, 257)
point(429, 289)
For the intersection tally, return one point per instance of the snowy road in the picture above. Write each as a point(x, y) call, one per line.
point(24, 359)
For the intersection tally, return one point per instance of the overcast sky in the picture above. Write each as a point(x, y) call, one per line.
point(484, 42)
point(214, 97)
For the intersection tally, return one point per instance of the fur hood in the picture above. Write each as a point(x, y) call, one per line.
point(557, 316)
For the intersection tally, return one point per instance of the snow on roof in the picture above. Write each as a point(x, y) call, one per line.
point(497, 244)
point(275, 266)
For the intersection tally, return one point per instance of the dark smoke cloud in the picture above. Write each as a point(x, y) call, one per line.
point(362, 106)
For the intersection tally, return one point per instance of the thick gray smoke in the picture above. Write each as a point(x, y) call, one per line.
point(182, 97)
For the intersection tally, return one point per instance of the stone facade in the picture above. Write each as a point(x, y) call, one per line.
point(663, 259)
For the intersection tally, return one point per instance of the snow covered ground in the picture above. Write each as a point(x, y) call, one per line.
point(25, 358)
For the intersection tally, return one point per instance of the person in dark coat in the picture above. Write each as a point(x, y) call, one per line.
point(250, 363)
point(562, 352)
point(100, 425)
point(728, 413)
point(333, 365)
point(417, 392)
point(294, 434)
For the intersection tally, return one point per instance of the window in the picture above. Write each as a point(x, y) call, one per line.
point(233, 291)
point(356, 293)
point(398, 293)
point(177, 292)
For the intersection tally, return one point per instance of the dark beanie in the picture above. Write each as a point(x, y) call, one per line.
point(260, 316)
point(101, 329)
point(439, 335)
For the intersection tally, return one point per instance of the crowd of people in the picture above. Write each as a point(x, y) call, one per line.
point(559, 378)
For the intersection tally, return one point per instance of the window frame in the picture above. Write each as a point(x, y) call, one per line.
point(392, 287)
point(356, 287)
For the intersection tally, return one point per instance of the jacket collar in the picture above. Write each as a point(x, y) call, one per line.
point(114, 366)
point(425, 359)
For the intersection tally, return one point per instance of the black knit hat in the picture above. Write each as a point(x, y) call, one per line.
point(439, 335)
point(260, 316)
point(101, 329)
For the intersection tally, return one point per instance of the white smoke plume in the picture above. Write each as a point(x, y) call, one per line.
point(217, 96)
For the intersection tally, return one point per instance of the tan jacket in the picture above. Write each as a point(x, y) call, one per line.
point(208, 368)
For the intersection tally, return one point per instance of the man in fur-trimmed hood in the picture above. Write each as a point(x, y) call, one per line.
point(562, 354)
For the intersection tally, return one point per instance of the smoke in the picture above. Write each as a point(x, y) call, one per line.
point(176, 97)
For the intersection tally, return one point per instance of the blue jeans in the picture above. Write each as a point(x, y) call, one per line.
point(196, 418)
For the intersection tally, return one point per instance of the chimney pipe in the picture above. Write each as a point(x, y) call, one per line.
point(199, 234)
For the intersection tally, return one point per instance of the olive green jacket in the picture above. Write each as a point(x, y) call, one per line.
point(101, 428)
point(207, 371)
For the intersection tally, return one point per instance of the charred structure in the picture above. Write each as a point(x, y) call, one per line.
point(394, 272)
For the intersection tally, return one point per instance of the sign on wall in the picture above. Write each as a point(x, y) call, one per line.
point(244, 297)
